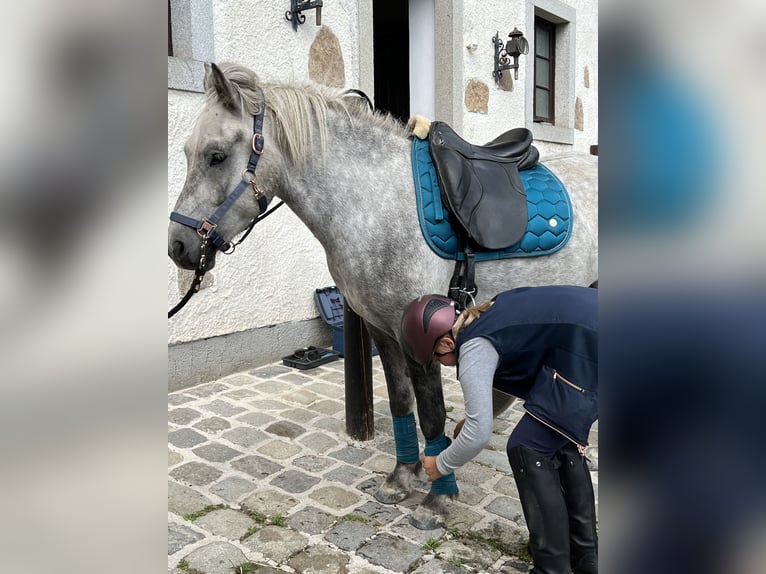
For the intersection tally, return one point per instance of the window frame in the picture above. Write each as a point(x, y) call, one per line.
point(190, 36)
point(550, 27)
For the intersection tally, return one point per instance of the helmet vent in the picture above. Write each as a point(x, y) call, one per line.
point(432, 307)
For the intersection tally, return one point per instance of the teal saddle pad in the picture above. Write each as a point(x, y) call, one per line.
point(548, 205)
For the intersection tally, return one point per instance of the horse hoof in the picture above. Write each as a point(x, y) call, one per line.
point(424, 519)
point(390, 496)
point(431, 513)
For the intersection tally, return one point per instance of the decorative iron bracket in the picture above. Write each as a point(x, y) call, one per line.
point(294, 14)
point(516, 46)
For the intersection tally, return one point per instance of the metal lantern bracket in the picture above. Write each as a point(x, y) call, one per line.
point(516, 46)
point(297, 7)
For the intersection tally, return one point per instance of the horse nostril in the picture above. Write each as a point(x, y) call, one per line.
point(178, 250)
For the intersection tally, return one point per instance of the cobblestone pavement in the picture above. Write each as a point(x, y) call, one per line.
point(263, 478)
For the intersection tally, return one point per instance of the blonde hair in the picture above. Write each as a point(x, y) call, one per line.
point(469, 316)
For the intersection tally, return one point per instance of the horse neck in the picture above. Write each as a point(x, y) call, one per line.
point(357, 181)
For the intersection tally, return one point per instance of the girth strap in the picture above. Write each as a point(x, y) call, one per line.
point(462, 288)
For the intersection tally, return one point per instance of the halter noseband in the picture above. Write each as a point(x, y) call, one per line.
point(206, 228)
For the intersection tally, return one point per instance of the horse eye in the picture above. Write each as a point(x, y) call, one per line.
point(217, 158)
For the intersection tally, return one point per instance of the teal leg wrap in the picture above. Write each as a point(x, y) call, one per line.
point(406, 439)
point(447, 484)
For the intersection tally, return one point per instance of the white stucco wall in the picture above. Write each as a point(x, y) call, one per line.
point(271, 277)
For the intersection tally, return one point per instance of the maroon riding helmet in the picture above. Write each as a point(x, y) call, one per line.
point(424, 321)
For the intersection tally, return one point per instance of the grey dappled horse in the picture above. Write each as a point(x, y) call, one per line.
point(346, 173)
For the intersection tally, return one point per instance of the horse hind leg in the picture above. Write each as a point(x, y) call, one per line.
point(398, 484)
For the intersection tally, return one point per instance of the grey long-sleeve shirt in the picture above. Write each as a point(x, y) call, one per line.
point(478, 362)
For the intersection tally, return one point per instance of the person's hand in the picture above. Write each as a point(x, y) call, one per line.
point(458, 428)
point(429, 465)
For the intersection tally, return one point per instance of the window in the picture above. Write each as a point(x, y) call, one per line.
point(545, 66)
point(170, 32)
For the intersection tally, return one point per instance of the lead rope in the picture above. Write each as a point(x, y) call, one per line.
point(199, 273)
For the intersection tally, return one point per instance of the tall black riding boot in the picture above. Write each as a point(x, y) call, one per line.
point(581, 506)
point(542, 500)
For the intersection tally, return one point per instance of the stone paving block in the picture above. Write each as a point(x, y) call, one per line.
point(514, 566)
point(174, 458)
point(505, 485)
point(179, 399)
point(185, 438)
point(509, 534)
point(180, 535)
point(334, 497)
point(279, 449)
point(269, 502)
point(216, 452)
point(314, 463)
point(462, 517)
point(240, 394)
point(196, 473)
point(346, 474)
point(238, 380)
point(216, 558)
point(318, 442)
point(300, 396)
point(269, 371)
point(371, 485)
point(474, 473)
point(245, 436)
point(256, 419)
point(294, 481)
point(256, 466)
point(268, 405)
point(272, 387)
point(207, 390)
point(349, 534)
point(328, 390)
point(351, 455)
point(212, 425)
point(470, 494)
point(437, 566)
point(285, 429)
point(226, 522)
point(299, 415)
point(494, 459)
point(310, 520)
point(470, 553)
point(506, 507)
point(377, 514)
point(328, 407)
point(233, 488)
point(183, 415)
point(319, 560)
point(383, 463)
point(276, 543)
point(392, 553)
point(223, 408)
point(405, 530)
point(335, 425)
point(183, 500)
point(296, 378)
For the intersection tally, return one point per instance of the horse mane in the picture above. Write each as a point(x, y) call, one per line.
point(301, 111)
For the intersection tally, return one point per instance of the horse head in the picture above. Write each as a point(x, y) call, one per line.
point(223, 191)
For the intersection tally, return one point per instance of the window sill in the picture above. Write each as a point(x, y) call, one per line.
point(549, 133)
point(186, 75)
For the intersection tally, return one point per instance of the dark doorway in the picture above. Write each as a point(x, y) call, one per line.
point(391, 40)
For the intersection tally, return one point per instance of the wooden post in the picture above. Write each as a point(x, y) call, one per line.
point(357, 350)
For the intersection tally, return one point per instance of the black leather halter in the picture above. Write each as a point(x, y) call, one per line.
point(206, 228)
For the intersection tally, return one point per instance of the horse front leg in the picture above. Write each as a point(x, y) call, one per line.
point(398, 484)
point(434, 510)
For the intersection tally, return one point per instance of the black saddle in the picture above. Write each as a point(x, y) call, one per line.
point(481, 185)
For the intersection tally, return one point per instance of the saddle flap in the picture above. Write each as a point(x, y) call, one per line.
point(481, 184)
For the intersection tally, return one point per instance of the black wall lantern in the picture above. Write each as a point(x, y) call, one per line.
point(295, 16)
point(516, 46)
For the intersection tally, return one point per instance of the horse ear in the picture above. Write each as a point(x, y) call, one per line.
point(224, 89)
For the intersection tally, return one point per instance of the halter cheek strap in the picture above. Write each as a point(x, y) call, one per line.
point(206, 228)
